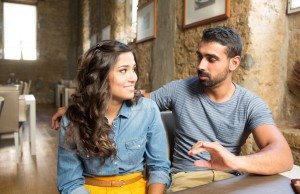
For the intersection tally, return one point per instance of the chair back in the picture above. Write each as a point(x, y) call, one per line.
point(1, 104)
point(169, 124)
point(25, 88)
point(29, 86)
point(9, 120)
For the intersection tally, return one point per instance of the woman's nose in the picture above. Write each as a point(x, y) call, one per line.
point(133, 77)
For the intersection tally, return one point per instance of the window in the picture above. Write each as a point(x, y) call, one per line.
point(19, 31)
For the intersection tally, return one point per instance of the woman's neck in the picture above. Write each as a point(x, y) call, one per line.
point(113, 110)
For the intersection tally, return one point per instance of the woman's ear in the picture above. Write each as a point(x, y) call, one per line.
point(234, 63)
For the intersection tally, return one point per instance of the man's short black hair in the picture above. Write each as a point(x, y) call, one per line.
point(226, 37)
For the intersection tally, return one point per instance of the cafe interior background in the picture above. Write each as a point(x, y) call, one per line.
point(59, 31)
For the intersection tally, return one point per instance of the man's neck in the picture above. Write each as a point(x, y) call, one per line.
point(222, 92)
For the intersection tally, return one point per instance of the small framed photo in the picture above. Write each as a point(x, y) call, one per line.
point(146, 22)
point(105, 35)
point(200, 12)
point(293, 6)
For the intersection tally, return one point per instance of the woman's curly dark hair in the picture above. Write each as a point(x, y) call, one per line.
point(89, 131)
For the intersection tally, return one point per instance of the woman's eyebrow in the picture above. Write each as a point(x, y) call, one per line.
point(122, 66)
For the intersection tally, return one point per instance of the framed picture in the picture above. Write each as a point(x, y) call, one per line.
point(93, 40)
point(105, 35)
point(293, 6)
point(200, 12)
point(146, 22)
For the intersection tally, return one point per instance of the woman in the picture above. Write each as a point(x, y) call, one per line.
point(110, 132)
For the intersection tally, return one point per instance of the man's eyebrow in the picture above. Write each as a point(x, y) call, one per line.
point(199, 54)
point(211, 55)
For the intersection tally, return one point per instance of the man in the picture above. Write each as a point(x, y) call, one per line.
point(214, 117)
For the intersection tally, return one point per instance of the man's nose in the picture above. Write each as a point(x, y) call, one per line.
point(202, 64)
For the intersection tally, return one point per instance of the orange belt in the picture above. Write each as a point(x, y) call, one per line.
point(111, 183)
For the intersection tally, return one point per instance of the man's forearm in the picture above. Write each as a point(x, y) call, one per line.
point(272, 159)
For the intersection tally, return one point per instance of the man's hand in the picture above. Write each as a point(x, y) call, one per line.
point(57, 116)
point(221, 158)
point(145, 94)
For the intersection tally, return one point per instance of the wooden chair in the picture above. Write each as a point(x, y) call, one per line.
point(9, 120)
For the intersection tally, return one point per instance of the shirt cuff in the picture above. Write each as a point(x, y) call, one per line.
point(80, 190)
point(159, 177)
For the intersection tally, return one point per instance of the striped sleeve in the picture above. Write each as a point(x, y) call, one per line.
point(258, 114)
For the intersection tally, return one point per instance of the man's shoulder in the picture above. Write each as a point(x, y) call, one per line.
point(248, 96)
point(243, 92)
point(185, 83)
point(188, 81)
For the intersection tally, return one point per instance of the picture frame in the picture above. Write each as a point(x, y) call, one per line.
point(293, 6)
point(200, 12)
point(105, 34)
point(146, 22)
point(93, 40)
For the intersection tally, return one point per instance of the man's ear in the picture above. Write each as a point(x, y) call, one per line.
point(234, 63)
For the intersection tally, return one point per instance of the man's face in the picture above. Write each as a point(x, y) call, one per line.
point(213, 64)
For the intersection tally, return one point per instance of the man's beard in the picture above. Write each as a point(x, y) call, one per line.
point(212, 82)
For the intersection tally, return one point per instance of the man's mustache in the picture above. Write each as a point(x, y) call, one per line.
point(203, 73)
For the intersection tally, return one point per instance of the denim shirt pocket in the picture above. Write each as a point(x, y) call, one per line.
point(91, 165)
point(135, 150)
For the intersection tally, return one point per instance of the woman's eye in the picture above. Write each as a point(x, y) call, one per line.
point(123, 71)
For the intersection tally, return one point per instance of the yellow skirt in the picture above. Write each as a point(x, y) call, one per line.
point(138, 187)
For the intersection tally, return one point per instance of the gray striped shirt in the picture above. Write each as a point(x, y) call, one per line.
point(199, 118)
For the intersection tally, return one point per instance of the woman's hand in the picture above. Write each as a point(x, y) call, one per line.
point(156, 188)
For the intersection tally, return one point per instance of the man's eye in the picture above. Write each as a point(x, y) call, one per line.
point(211, 59)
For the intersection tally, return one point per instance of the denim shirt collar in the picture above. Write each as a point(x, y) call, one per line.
point(125, 109)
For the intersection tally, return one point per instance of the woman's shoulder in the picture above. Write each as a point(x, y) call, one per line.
point(145, 103)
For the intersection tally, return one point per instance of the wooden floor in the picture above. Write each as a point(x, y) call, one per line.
point(34, 174)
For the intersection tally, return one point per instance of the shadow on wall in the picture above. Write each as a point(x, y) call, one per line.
point(294, 80)
point(293, 83)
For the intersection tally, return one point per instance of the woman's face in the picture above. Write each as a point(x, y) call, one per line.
point(122, 78)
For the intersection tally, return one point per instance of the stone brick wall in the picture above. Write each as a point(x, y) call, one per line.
point(292, 92)
point(290, 122)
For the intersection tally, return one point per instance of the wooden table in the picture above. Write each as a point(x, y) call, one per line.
point(245, 184)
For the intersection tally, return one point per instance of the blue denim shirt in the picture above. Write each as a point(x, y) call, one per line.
point(140, 138)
